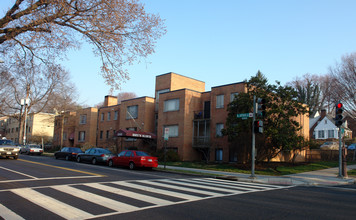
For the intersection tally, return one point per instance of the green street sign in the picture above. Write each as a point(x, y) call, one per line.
point(245, 115)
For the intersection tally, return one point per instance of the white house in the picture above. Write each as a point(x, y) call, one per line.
point(323, 127)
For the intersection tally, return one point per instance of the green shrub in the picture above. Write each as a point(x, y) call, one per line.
point(171, 156)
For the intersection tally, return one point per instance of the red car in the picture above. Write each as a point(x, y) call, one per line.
point(132, 159)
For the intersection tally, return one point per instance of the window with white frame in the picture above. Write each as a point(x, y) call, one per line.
point(331, 134)
point(233, 96)
point(83, 119)
point(102, 117)
point(171, 105)
point(116, 115)
point(219, 127)
point(109, 116)
point(321, 134)
point(64, 136)
point(173, 130)
point(132, 112)
point(81, 136)
point(220, 101)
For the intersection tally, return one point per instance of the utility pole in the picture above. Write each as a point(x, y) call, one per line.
point(253, 139)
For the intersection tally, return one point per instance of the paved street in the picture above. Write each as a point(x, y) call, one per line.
point(45, 188)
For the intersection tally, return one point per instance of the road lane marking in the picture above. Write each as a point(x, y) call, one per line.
point(185, 187)
point(18, 172)
point(63, 168)
point(100, 200)
point(6, 213)
point(194, 184)
point(48, 178)
point(118, 207)
point(160, 191)
point(141, 197)
point(62, 209)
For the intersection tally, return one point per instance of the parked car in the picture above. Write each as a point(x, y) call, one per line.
point(329, 146)
point(33, 149)
point(8, 149)
point(95, 155)
point(132, 159)
point(351, 146)
point(68, 153)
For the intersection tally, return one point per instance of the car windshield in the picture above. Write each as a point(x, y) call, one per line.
point(6, 142)
point(141, 153)
point(104, 151)
point(35, 146)
point(74, 149)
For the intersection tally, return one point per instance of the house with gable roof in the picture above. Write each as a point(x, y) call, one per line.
point(322, 127)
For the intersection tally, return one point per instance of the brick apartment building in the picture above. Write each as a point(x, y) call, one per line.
point(193, 116)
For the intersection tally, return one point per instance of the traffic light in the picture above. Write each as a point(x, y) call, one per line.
point(258, 126)
point(261, 108)
point(338, 114)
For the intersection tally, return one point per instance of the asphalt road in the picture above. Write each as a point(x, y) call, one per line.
point(36, 187)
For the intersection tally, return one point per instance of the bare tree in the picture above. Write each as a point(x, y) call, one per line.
point(46, 87)
point(344, 82)
point(122, 96)
point(120, 32)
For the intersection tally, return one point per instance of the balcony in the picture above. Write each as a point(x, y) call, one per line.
point(201, 142)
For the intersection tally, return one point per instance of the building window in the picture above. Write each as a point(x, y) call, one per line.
point(107, 134)
point(102, 117)
point(331, 134)
point(171, 105)
point(219, 154)
point(219, 127)
point(83, 119)
point(321, 134)
point(220, 101)
point(132, 112)
point(116, 115)
point(233, 96)
point(81, 136)
point(64, 136)
point(173, 130)
point(101, 135)
point(65, 120)
point(109, 116)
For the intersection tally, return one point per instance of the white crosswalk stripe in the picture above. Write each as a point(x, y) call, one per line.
point(154, 193)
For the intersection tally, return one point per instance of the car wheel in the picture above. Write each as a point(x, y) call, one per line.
point(67, 157)
point(56, 157)
point(79, 159)
point(110, 163)
point(15, 157)
point(131, 166)
point(93, 161)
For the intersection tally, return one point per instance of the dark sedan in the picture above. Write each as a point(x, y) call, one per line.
point(68, 153)
point(94, 155)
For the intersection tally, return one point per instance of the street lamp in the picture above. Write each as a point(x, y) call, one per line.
point(25, 102)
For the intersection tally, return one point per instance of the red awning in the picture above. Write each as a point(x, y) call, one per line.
point(135, 134)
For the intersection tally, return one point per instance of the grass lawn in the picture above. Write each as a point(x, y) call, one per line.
point(274, 169)
point(351, 172)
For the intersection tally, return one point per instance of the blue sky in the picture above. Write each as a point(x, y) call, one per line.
point(227, 41)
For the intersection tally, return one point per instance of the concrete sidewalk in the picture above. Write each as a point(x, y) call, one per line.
point(327, 177)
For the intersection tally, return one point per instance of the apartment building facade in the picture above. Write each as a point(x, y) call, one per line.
point(38, 126)
point(192, 116)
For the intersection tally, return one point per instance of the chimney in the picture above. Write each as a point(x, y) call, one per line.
point(323, 113)
point(110, 100)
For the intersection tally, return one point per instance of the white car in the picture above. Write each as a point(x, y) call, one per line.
point(330, 146)
point(31, 149)
point(8, 149)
